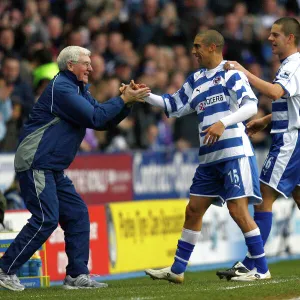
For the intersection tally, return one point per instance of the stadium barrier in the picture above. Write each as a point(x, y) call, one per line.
point(133, 235)
point(140, 175)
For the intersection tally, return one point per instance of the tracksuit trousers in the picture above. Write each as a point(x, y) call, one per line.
point(51, 198)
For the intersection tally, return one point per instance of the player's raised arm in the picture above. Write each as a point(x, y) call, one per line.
point(272, 90)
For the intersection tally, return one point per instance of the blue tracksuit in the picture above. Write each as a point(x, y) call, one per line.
point(48, 145)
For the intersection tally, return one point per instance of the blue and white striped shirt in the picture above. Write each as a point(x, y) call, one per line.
point(214, 94)
point(286, 110)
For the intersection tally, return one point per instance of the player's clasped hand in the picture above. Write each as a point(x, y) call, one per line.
point(213, 133)
point(134, 92)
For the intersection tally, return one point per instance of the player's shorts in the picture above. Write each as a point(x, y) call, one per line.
point(281, 169)
point(229, 180)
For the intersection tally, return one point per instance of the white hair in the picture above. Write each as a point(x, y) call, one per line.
point(70, 53)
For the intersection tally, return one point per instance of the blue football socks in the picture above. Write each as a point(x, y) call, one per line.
point(264, 223)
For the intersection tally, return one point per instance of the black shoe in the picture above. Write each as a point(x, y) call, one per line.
point(238, 269)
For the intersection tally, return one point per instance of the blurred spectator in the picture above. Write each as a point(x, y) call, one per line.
point(13, 196)
point(5, 106)
point(10, 141)
point(43, 67)
point(192, 13)
point(113, 52)
point(186, 133)
point(75, 38)
point(144, 116)
point(11, 73)
point(55, 34)
point(121, 137)
point(171, 32)
point(44, 9)
point(7, 41)
point(129, 55)
point(97, 75)
point(234, 44)
point(165, 132)
point(99, 42)
point(34, 29)
point(184, 64)
point(151, 142)
point(256, 69)
point(145, 24)
point(161, 81)
point(150, 51)
point(123, 70)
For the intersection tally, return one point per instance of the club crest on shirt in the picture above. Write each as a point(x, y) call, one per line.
point(285, 74)
point(217, 80)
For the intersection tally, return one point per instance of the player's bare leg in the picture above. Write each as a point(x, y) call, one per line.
point(195, 211)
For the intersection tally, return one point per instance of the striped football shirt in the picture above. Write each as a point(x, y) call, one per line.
point(214, 94)
point(286, 110)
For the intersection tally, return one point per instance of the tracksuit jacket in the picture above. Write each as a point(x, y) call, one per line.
point(57, 123)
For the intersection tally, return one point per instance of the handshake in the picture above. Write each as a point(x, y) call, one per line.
point(134, 92)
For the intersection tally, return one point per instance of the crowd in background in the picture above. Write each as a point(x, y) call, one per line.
point(146, 40)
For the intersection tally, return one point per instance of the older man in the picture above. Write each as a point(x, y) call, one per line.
point(48, 145)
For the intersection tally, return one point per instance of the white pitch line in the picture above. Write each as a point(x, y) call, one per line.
point(272, 281)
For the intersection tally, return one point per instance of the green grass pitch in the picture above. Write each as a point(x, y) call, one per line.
point(284, 285)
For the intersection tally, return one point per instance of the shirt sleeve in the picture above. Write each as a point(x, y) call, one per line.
point(155, 100)
point(245, 112)
point(239, 87)
point(118, 118)
point(74, 108)
point(178, 104)
point(286, 77)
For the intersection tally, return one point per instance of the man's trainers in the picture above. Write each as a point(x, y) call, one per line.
point(238, 269)
point(165, 274)
point(252, 276)
point(82, 281)
point(10, 282)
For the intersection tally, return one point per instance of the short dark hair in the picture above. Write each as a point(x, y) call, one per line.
point(212, 37)
point(290, 26)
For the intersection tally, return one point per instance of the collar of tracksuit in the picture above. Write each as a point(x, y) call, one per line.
point(73, 78)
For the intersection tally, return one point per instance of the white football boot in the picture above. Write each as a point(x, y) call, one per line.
point(253, 275)
point(165, 274)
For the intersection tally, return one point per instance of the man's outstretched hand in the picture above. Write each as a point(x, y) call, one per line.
point(133, 85)
point(134, 92)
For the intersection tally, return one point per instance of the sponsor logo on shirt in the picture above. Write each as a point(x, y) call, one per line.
point(210, 101)
point(285, 74)
point(214, 99)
